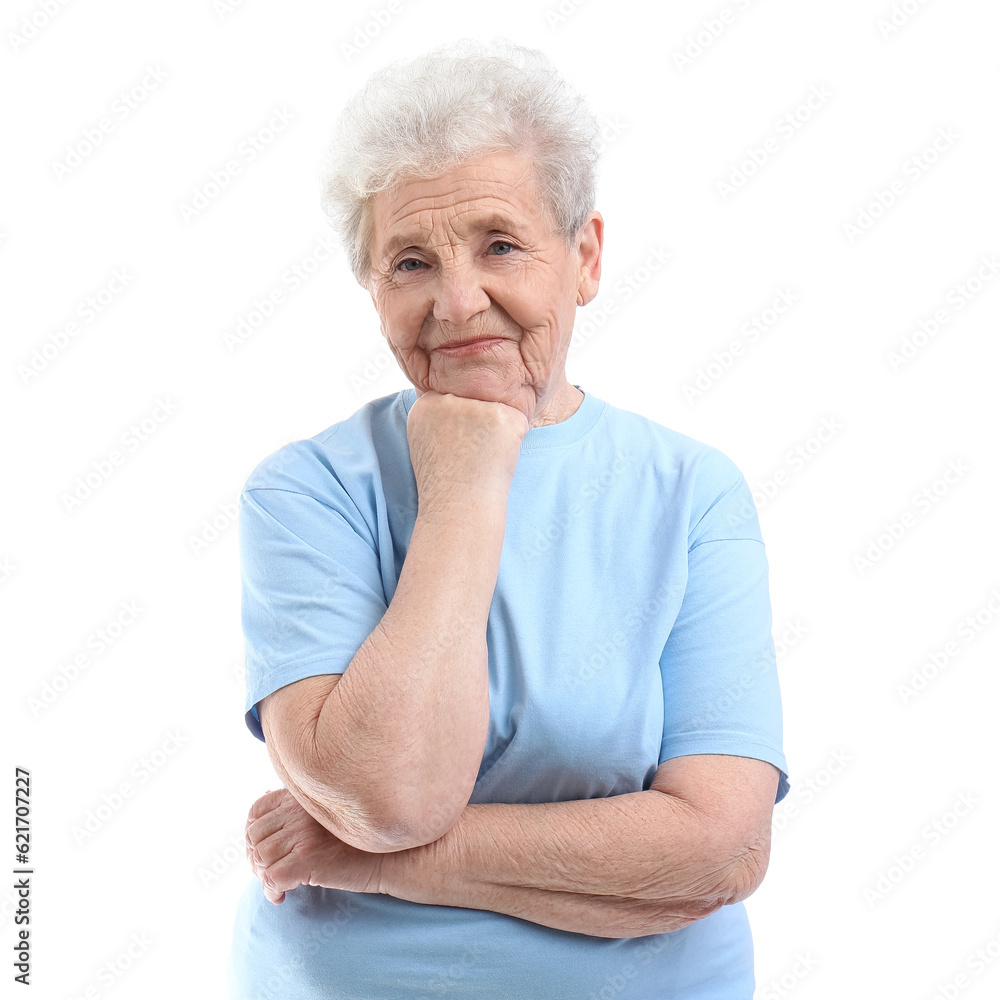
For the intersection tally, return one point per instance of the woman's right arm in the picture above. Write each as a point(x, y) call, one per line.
point(386, 755)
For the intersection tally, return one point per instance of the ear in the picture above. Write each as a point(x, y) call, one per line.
point(589, 246)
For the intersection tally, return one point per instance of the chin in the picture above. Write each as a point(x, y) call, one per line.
point(485, 386)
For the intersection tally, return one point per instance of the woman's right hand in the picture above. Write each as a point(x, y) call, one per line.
point(463, 451)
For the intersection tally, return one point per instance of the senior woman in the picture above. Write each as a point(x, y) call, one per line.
point(508, 645)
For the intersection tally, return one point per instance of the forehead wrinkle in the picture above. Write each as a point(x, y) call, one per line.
point(466, 221)
point(507, 178)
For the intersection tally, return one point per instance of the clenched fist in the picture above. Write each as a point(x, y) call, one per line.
point(463, 451)
point(287, 848)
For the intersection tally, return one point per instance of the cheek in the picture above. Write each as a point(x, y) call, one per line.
point(402, 319)
point(543, 308)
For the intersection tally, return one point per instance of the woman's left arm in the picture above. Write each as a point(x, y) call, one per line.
point(624, 866)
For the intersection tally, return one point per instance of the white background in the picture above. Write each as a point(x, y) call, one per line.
point(874, 763)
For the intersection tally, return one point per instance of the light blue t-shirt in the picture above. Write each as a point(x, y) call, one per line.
point(631, 623)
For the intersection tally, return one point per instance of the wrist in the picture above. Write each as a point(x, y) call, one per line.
point(416, 874)
point(393, 871)
point(477, 521)
point(463, 502)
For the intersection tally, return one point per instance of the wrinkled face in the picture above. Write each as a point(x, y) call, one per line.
point(472, 255)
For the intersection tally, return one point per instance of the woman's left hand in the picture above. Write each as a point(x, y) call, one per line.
point(286, 848)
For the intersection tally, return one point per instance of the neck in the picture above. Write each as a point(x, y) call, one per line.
point(563, 405)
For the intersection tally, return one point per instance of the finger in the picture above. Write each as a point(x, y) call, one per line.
point(261, 853)
point(273, 848)
point(266, 825)
point(284, 875)
point(265, 804)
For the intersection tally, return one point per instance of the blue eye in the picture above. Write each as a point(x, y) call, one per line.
point(410, 260)
point(501, 243)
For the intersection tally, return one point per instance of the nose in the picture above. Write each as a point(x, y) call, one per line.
point(459, 294)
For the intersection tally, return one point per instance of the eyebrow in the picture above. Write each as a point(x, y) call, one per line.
point(493, 223)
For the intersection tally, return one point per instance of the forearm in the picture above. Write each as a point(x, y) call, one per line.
point(623, 866)
point(408, 719)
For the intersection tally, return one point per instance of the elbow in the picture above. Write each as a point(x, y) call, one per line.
point(377, 817)
point(748, 870)
point(736, 880)
point(380, 824)
point(378, 836)
point(398, 816)
point(719, 885)
point(402, 824)
point(388, 832)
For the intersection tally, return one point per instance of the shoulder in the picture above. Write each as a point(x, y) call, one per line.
point(696, 476)
point(702, 465)
point(337, 456)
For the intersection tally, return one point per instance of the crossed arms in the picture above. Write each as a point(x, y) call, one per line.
point(379, 763)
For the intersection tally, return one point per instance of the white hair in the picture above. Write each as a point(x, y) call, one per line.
point(422, 116)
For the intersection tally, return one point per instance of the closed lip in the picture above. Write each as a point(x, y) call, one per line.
point(467, 341)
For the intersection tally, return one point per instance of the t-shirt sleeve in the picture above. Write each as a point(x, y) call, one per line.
point(720, 679)
point(311, 589)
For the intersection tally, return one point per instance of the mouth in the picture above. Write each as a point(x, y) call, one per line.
point(463, 348)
